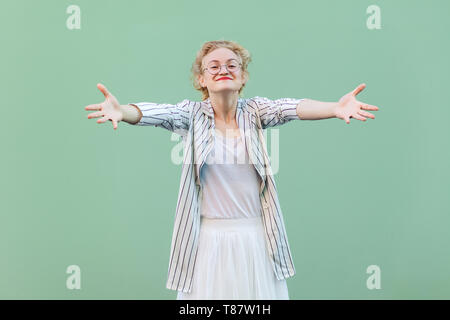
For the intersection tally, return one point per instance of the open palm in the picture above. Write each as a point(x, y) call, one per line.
point(348, 107)
point(108, 109)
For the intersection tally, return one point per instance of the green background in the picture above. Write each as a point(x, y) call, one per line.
point(353, 195)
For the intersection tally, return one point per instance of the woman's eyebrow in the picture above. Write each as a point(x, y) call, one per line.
point(226, 60)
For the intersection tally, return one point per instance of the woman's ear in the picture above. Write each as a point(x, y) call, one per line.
point(201, 80)
point(244, 78)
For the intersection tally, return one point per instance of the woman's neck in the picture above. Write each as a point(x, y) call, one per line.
point(224, 107)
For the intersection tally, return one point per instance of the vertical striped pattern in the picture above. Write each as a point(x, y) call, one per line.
point(195, 122)
point(174, 118)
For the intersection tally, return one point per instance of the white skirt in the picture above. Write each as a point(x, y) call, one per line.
point(233, 263)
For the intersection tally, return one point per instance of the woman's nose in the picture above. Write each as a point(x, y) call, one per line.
point(223, 68)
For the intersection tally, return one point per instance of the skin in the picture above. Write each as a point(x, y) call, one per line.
point(224, 95)
point(348, 107)
point(110, 109)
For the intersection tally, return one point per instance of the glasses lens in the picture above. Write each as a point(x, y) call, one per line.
point(214, 67)
point(232, 66)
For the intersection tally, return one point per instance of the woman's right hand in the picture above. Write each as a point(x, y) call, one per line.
point(109, 109)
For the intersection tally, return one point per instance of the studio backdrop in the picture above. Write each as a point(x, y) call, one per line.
point(87, 212)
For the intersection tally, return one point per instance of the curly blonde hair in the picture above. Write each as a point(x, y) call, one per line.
point(209, 46)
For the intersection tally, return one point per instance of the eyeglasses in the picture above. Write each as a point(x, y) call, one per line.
point(214, 67)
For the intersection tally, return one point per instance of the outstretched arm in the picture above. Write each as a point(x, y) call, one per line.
point(275, 112)
point(173, 117)
point(310, 109)
point(347, 107)
point(131, 113)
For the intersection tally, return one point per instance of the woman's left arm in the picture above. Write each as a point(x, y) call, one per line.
point(347, 107)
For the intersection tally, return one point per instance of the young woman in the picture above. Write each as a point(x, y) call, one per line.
point(229, 239)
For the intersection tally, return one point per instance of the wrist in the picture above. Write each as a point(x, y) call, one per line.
point(334, 110)
point(130, 113)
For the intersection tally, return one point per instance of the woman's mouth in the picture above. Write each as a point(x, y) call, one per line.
point(224, 78)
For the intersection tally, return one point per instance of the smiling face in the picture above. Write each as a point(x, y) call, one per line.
point(233, 81)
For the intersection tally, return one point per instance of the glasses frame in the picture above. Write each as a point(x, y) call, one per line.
point(226, 66)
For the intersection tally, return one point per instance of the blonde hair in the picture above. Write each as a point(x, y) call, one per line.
point(209, 46)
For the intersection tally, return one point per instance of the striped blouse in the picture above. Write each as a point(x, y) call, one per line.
point(194, 121)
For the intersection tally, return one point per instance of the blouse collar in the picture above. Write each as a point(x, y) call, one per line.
point(208, 109)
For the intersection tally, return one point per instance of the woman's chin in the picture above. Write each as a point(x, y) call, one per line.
point(225, 90)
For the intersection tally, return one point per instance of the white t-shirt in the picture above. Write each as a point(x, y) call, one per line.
point(229, 181)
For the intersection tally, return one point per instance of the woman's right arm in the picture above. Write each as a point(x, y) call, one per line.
point(131, 113)
point(173, 117)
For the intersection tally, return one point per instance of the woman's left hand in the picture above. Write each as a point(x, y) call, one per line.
point(348, 107)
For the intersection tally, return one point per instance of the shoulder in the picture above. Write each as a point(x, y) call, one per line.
point(186, 102)
point(188, 105)
point(256, 102)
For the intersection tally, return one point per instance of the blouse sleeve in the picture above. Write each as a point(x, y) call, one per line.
point(276, 112)
point(173, 117)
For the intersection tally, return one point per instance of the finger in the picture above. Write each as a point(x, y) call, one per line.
point(359, 89)
point(95, 106)
point(95, 114)
point(366, 114)
point(357, 116)
point(114, 124)
point(102, 120)
point(369, 107)
point(103, 89)
point(347, 119)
